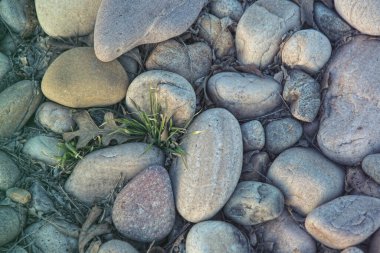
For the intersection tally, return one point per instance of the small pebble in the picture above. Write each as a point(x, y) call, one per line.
point(371, 166)
point(55, 117)
point(227, 8)
point(45, 149)
point(19, 195)
point(117, 246)
point(253, 135)
point(10, 224)
point(9, 172)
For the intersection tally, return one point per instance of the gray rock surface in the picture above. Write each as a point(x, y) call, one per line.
point(41, 202)
point(9, 44)
point(303, 94)
point(95, 176)
point(202, 186)
point(17, 104)
point(352, 250)
point(144, 210)
point(375, 243)
point(253, 203)
point(255, 166)
point(9, 172)
point(345, 221)
point(55, 117)
point(44, 148)
point(11, 224)
point(253, 135)
point(245, 95)
point(215, 236)
point(371, 166)
point(117, 246)
point(362, 15)
point(306, 178)
point(282, 134)
point(3, 30)
point(131, 61)
point(158, 20)
point(261, 28)
point(5, 65)
point(175, 95)
point(190, 61)
point(351, 113)
point(226, 8)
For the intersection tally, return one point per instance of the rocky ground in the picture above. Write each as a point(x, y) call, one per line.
point(189, 126)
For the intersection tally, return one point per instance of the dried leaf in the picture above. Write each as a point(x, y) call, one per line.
point(249, 68)
point(307, 8)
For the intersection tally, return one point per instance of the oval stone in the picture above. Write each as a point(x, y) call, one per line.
point(78, 79)
point(117, 246)
point(245, 95)
point(45, 149)
point(10, 224)
point(205, 179)
point(55, 117)
point(9, 172)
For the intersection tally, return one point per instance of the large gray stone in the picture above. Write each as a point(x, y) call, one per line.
point(95, 176)
point(245, 95)
point(45, 149)
point(124, 24)
point(371, 166)
point(351, 110)
point(306, 178)
point(9, 172)
point(345, 221)
point(11, 223)
point(209, 173)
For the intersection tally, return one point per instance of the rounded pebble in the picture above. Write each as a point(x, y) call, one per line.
point(9, 172)
point(45, 149)
point(10, 224)
point(117, 246)
point(19, 195)
point(55, 117)
point(253, 135)
point(227, 8)
point(371, 166)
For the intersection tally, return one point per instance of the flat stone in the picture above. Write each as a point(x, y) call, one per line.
point(345, 221)
point(253, 135)
point(144, 210)
point(261, 28)
point(227, 8)
point(116, 31)
point(5, 65)
point(11, 224)
point(78, 79)
point(9, 172)
point(348, 130)
point(17, 104)
point(253, 203)
point(19, 195)
point(117, 246)
point(44, 148)
point(306, 178)
point(246, 96)
point(55, 117)
point(216, 236)
point(201, 185)
point(371, 166)
point(98, 173)
point(67, 18)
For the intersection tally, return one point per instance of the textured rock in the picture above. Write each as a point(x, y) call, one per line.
point(253, 203)
point(95, 176)
point(174, 94)
point(9, 44)
point(375, 243)
point(345, 221)
point(17, 104)
point(157, 21)
point(226, 8)
point(43, 237)
point(306, 178)
point(5, 65)
point(67, 18)
point(45, 149)
point(117, 246)
point(144, 210)
point(215, 236)
point(215, 32)
point(202, 186)
point(352, 250)
point(253, 135)
point(329, 22)
point(19, 195)
point(77, 79)
point(282, 134)
point(362, 15)
point(284, 235)
point(9, 172)
point(255, 166)
point(351, 113)
point(371, 166)
point(190, 61)
point(308, 50)
point(40, 199)
point(55, 117)
point(244, 95)
point(11, 224)
point(260, 30)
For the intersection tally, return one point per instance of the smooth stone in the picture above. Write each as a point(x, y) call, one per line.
point(216, 236)
point(329, 22)
point(261, 28)
point(371, 166)
point(158, 20)
point(190, 61)
point(55, 117)
point(283, 235)
point(253, 203)
point(345, 221)
point(67, 18)
point(117, 246)
point(253, 135)
point(9, 172)
point(374, 245)
point(45, 149)
point(144, 209)
point(19, 195)
point(308, 50)
point(11, 224)
point(306, 178)
point(78, 79)
point(44, 237)
point(131, 62)
point(215, 31)
point(226, 8)
point(9, 44)
point(175, 95)
point(282, 134)
point(350, 115)
point(98, 173)
point(255, 166)
point(202, 186)
point(362, 15)
point(352, 250)
point(17, 104)
point(5, 65)
point(40, 202)
point(246, 96)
